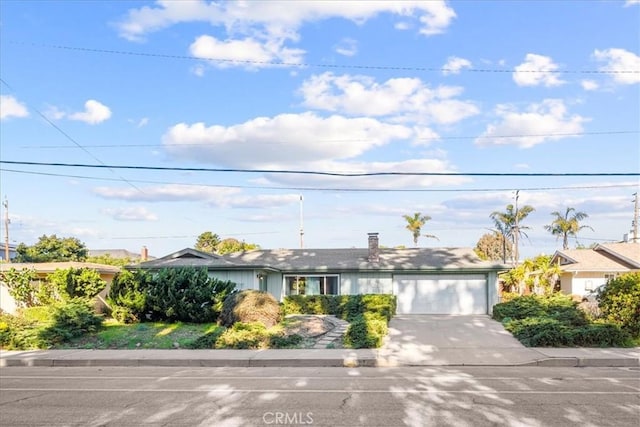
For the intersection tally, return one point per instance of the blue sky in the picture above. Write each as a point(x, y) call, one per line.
point(350, 87)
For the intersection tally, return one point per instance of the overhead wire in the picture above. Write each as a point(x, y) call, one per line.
point(321, 173)
point(314, 65)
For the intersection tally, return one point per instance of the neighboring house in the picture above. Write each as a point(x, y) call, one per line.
point(586, 269)
point(122, 254)
point(44, 269)
point(12, 252)
point(425, 280)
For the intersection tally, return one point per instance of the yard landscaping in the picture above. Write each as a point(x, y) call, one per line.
point(184, 308)
point(557, 320)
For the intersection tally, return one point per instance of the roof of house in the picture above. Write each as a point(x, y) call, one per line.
point(50, 267)
point(322, 260)
point(116, 254)
point(610, 257)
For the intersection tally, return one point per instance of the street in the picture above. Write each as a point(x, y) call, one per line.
point(424, 396)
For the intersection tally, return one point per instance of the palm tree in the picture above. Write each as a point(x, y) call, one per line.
point(567, 225)
point(415, 224)
point(509, 225)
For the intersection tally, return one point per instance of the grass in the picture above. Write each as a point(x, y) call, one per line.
point(147, 335)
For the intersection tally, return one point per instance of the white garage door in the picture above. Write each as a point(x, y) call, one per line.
point(441, 294)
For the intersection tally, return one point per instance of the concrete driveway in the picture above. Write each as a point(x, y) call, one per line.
point(452, 340)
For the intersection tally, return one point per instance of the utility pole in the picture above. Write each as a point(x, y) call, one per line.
point(635, 218)
point(516, 232)
point(6, 229)
point(301, 226)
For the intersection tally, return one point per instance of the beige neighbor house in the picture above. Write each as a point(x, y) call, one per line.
point(585, 269)
point(425, 280)
point(44, 269)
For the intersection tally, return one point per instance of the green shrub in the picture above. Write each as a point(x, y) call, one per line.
point(541, 332)
point(186, 294)
point(17, 333)
point(285, 341)
point(600, 335)
point(244, 336)
point(342, 306)
point(250, 306)
point(620, 302)
point(128, 295)
point(555, 305)
point(76, 283)
point(366, 331)
point(69, 320)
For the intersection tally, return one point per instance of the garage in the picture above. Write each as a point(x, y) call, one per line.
point(441, 294)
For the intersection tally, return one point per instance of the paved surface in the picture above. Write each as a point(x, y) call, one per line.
point(413, 396)
point(412, 341)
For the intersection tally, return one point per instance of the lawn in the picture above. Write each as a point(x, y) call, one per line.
point(155, 335)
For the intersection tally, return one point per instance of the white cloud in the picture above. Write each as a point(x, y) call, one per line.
point(94, 113)
point(213, 196)
point(347, 47)
point(589, 84)
point(435, 16)
point(631, 2)
point(537, 70)
point(249, 52)
point(11, 107)
point(167, 193)
point(409, 97)
point(543, 122)
point(454, 65)
point(280, 141)
point(130, 214)
point(623, 66)
point(258, 31)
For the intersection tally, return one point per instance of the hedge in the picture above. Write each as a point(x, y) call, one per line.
point(346, 307)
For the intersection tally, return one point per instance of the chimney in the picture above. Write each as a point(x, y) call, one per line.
point(374, 249)
point(144, 254)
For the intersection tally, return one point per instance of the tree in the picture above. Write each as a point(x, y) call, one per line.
point(535, 275)
point(415, 224)
point(51, 249)
point(567, 225)
point(208, 242)
point(493, 246)
point(231, 245)
point(509, 224)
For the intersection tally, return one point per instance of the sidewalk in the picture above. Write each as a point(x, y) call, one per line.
point(558, 357)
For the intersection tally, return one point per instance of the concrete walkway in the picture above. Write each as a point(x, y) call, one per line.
point(412, 341)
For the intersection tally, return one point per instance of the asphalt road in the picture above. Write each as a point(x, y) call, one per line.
point(425, 396)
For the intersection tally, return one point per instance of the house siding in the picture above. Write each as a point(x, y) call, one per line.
point(366, 283)
point(578, 283)
point(245, 279)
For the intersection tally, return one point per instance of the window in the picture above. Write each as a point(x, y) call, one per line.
point(312, 285)
point(609, 276)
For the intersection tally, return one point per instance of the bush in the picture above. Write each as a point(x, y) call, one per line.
point(541, 332)
point(343, 306)
point(17, 333)
point(250, 306)
point(600, 335)
point(76, 283)
point(69, 320)
point(366, 331)
point(128, 295)
point(555, 305)
point(206, 341)
point(285, 341)
point(244, 336)
point(184, 294)
point(620, 302)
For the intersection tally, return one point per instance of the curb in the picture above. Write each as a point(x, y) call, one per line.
point(348, 362)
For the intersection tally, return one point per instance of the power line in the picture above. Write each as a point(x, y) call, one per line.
point(307, 172)
point(435, 138)
point(315, 65)
point(68, 137)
